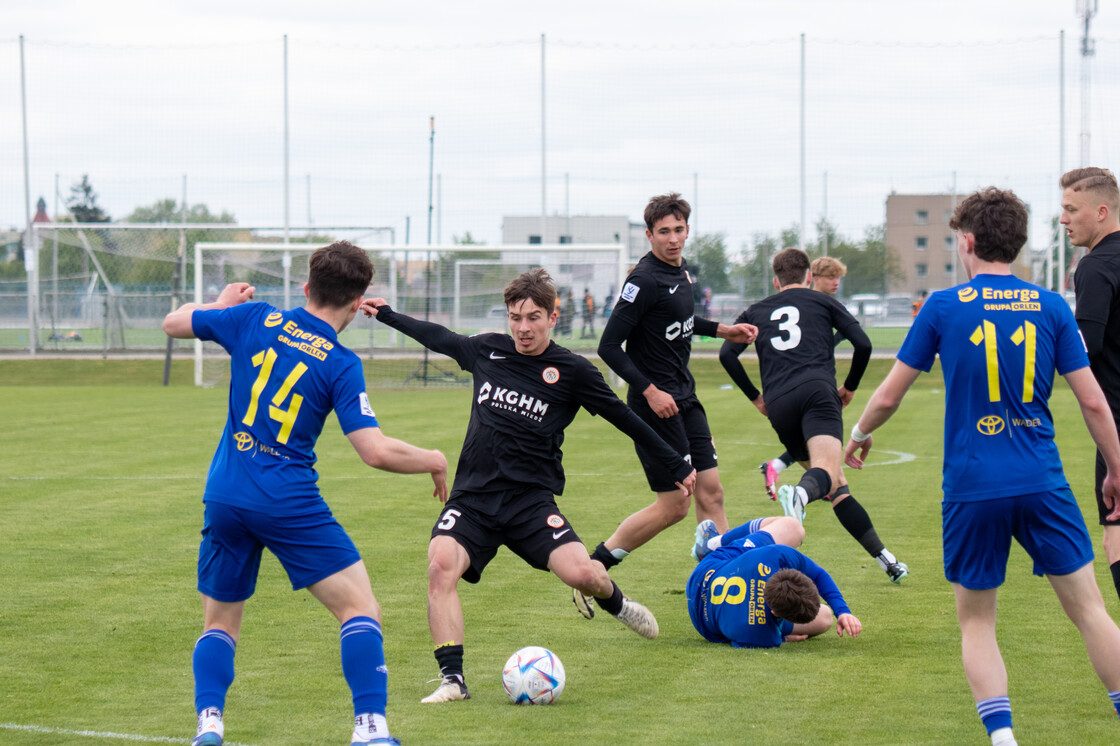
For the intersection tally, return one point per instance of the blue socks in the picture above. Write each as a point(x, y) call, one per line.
point(363, 664)
point(995, 712)
point(1115, 698)
point(213, 669)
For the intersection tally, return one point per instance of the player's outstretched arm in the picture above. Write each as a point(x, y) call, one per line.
point(1098, 418)
point(390, 454)
point(177, 324)
point(883, 403)
point(848, 623)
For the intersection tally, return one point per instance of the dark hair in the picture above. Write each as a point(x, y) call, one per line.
point(664, 205)
point(338, 274)
point(790, 266)
point(998, 220)
point(1100, 181)
point(535, 285)
point(792, 596)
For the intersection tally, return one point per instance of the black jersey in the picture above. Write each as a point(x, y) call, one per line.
point(521, 405)
point(1097, 285)
point(795, 341)
point(654, 316)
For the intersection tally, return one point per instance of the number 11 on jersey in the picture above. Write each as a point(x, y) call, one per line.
point(1024, 336)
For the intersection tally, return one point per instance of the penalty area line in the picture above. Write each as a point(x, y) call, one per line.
point(98, 734)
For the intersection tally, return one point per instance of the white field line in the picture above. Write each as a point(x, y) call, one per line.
point(99, 734)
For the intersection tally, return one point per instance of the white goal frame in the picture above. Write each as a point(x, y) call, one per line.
point(547, 255)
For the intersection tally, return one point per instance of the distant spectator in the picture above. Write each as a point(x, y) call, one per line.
point(706, 303)
point(587, 331)
point(607, 303)
point(917, 305)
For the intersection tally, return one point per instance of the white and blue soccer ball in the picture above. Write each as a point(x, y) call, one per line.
point(533, 676)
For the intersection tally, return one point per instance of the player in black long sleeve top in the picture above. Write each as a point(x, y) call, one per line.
point(527, 390)
point(654, 318)
point(797, 363)
point(1091, 215)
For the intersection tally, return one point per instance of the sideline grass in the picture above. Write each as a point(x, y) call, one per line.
point(101, 507)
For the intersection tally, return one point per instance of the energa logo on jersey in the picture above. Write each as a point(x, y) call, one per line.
point(511, 401)
point(680, 328)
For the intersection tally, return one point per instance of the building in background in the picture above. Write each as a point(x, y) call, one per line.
point(917, 230)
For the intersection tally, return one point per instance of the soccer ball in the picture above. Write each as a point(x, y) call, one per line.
point(533, 676)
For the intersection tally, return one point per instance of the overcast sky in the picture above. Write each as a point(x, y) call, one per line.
point(622, 137)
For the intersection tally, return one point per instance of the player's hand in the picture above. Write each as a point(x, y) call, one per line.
point(236, 293)
point(848, 623)
point(1110, 495)
point(662, 404)
point(688, 484)
point(369, 306)
point(850, 457)
point(760, 405)
point(742, 333)
point(795, 638)
point(439, 477)
point(845, 396)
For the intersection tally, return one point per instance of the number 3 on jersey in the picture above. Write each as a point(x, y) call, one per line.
point(265, 360)
point(787, 318)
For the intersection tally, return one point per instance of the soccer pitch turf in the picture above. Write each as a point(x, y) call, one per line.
point(101, 474)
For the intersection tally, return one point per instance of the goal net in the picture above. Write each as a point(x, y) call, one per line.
point(460, 287)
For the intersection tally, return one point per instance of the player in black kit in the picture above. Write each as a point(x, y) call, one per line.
point(527, 389)
point(654, 317)
point(1091, 215)
point(797, 363)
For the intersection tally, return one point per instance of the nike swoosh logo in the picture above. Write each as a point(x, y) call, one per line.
point(497, 357)
point(673, 289)
point(558, 534)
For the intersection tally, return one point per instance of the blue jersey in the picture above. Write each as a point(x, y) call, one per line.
point(287, 372)
point(1000, 340)
point(725, 592)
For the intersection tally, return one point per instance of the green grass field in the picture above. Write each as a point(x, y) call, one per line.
point(101, 474)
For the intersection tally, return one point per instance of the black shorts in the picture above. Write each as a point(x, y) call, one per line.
point(811, 409)
point(1102, 511)
point(526, 521)
point(687, 432)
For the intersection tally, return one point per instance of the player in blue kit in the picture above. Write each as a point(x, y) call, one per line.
point(753, 588)
point(287, 372)
point(1000, 341)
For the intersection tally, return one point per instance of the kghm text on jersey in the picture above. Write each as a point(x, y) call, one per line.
point(307, 342)
point(508, 399)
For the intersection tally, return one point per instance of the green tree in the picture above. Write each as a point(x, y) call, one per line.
point(169, 211)
point(872, 265)
point(82, 203)
point(709, 263)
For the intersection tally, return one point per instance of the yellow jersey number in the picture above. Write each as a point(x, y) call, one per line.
point(266, 360)
point(1024, 336)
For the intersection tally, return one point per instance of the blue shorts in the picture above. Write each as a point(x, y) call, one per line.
point(310, 547)
point(977, 537)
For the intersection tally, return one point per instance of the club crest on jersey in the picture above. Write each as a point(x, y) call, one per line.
point(555, 521)
point(550, 375)
point(967, 294)
point(273, 319)
point(511, 401)
point(629, 292)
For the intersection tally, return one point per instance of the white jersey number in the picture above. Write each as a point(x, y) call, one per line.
point(787, 316)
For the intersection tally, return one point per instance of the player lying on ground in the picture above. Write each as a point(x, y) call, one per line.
point(753, 588)
point(797, 362)
point(287, 372)
point(1000, 341)
point(527, 390)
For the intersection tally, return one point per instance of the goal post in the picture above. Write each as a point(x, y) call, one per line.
point(458, 286)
